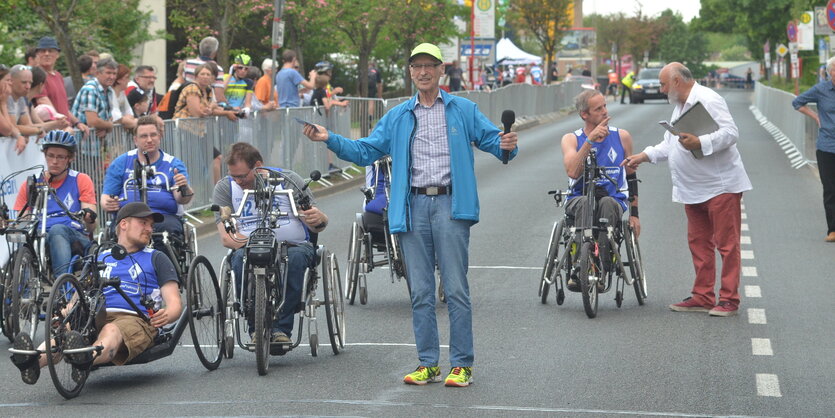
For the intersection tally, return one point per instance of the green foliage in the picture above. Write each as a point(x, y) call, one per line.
point(757, 20)
point(678, 42)
point(718, 42)
point(545, 21)
point(735, 53)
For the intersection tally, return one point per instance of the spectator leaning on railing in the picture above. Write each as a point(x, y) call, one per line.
point(92, 105)
point(120, 108)
point(44, 116)
point(8, 128)
point(143, 82)
point(21, 82)
point(208, 52)
point(54, 93)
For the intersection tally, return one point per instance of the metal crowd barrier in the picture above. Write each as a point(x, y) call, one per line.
point(776, 106)
point(280, 140)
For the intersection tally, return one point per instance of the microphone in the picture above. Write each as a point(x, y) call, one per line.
point(508, 118)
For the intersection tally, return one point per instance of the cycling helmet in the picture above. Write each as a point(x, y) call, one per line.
point(243, 59)
point(58, 138)
point(323, 66)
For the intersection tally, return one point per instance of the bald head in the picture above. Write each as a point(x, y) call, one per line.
point(676, 82)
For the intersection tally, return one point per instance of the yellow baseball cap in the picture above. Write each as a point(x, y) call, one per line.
point(429, 49)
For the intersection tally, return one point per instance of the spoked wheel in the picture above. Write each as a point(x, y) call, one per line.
point(550, 261)
point(397, 262)
point(636, 265)
point(334, 305)
point(205, 312)
point(68, 309)
point(352, 276)
point(263, 325)
point(227, 277)
point(6, 303)
point(26, 293)
point(441, 292)
point(585, 271)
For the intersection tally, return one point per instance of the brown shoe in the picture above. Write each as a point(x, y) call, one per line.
point(830, 237)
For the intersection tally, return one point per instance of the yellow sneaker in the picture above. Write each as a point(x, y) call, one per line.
point(423, 375)
point(459, 377)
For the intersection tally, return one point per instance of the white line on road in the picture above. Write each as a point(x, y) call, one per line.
point(749, 271)
point(744, 227)
point(768, 385)
point(761, 347)
point(756, 316)
point(493, 267)
point(744, 239)
point(354, 344)
point(747, 254)
point(744, 215)
point(753, 291)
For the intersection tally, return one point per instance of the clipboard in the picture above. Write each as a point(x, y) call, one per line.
point(694, 121)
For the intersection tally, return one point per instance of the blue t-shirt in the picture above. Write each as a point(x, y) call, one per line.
point(141, 273)
point(236, 91)
point(287, 82)
point(610, 154)
point(122, 166)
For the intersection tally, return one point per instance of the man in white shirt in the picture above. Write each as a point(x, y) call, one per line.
point(710, 189)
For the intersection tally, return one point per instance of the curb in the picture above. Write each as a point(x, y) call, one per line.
point(208, 225)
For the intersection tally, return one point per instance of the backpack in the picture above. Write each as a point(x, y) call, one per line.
point(168, 104)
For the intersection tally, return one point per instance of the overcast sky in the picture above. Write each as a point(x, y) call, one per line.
point(688, 9)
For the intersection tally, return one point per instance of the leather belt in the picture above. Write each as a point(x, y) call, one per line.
point(432, 190)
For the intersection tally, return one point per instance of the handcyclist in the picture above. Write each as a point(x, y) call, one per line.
point(611, 146)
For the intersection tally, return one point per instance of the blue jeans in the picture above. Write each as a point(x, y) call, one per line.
point(299, 258)
point(435, 236)
point(61, 240)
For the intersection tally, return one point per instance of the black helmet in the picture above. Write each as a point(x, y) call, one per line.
point(323, 66)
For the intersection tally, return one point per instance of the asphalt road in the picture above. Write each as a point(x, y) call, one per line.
point(534, 359)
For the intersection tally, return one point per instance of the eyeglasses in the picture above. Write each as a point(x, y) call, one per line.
point(424, 66)
point(240, 177)
point(57, 157)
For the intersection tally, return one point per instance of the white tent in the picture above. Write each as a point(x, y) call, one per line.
point(508, 53)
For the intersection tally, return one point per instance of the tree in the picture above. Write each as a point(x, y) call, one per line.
point(112, 25)
point(545, 20)
point(759, 21)
point(679, 43)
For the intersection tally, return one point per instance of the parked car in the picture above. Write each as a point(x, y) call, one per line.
point(586, 82)
point(647, 86)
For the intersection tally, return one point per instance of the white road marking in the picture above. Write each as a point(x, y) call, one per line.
point(753, 291)
point(492, 267)
point(744, 215)
point(354, 344)
point(761, 347)
point(744, 239)
point(768, 385)
point(756, 316)
point(747, 254)
point(744, 227)
point(749, 271)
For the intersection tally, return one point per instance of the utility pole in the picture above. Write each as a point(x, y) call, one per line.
point(278, 40)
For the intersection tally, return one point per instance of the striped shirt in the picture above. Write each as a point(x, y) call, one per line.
point(192, 64)
point(92, 98)
point(430, 148)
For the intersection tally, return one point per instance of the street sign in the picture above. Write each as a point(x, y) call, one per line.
point(806, 32)
point(830, 14)
point(782, 50)
point(791, 31)
point(482, 48)
point(793, 47)
point(278, 34)
point(821, 23)
point(767, 59)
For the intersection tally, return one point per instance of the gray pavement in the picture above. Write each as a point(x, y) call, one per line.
point(534, 359)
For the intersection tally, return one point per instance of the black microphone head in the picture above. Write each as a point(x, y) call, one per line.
point(508, 117)
point(315, 175)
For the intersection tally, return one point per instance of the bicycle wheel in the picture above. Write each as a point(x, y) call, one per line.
point(636, 266)
point(6, 303)
point(585, 272)
point(263, 325)
point(69, 309)
point(205, 312)
point(352, 276)
point(26, 292)
point(334, 305)
point(227, 277)
point(545, 282)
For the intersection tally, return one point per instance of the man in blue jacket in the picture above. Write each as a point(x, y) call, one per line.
point(434, 202)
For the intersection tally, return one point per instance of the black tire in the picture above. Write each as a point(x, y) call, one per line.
point(551, 260)
point(205, 312)
point(585, 266)
point(334, 304)
point(352, 276)
point(441, 292)
point(263, 325)
point(314, 344)
point(397, 262)
point(227, 277)
point(560, 296)
point(636, 266)
point(6, 303)
point(68, 309)
point(363, 291)
point(26, 292)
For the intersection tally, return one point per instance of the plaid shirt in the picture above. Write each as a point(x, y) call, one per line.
point(92, 98)
point(430, 148)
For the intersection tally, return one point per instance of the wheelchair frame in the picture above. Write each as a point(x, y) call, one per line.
point(580, 257)
point(266, 285)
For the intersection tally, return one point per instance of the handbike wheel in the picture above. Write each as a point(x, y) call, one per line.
point(68, 309)
point(205, 312)
point(636, 266)
point(586, 270)
point(26, 293)
point(6, 303)
point(263, 326)
point(352, 276)
point(334, 306)
point(550, 261)
point(227, 277)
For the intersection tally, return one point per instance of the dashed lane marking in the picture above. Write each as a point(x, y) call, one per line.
point(756, 316)
point(744, 227)
point(768, 385)
point(744, 215)
point(747, 254)
point(744, 239)
point(749, 271)
point(753, 291)
point(761, 347)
